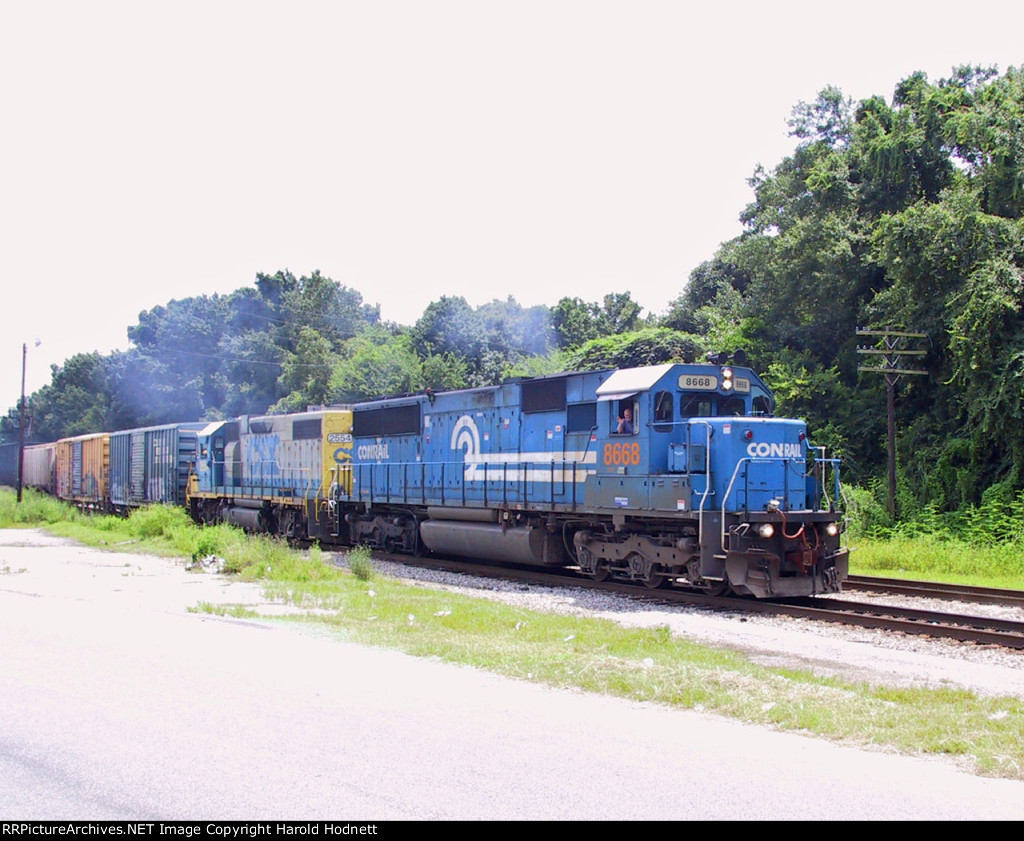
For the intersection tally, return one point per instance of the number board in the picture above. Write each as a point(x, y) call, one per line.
point(742, 385)
point(622, 453)
point(698, 382)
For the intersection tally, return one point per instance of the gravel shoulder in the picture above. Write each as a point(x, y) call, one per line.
point(855, 654)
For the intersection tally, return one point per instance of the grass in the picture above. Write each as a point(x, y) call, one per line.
point(950, 560)
point(983, 734)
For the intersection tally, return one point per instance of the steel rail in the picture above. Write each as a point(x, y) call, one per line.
point(933, 589)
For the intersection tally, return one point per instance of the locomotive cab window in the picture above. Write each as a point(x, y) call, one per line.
point(663, 411)
point(735, 406)
point(695, 406)
point(624, 419)
point(762, 402)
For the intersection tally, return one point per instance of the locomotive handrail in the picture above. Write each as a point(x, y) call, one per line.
point(707, 475)
point(788, 464)
point(514, 476)
point(261, 484)
point(735, 473)
point(823, 462)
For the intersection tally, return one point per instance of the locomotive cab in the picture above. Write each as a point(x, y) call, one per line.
point(726, 495)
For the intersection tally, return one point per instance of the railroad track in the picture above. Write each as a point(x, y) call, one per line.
point(984, 630)
point(934, 590)
point(981, 630)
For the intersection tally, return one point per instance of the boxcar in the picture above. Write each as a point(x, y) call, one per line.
point(83, 470)
point(9, 465)
point(39, 466)
point(152, 465)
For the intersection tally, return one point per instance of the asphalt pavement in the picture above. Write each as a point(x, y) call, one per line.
point(118, 703)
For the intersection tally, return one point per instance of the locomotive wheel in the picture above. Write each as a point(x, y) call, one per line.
point(644, 571)
point(591, 566)
point(716, 588)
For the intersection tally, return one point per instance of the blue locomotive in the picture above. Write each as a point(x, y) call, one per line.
point(667, 473)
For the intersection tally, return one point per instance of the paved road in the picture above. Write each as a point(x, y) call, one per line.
point(117, 703)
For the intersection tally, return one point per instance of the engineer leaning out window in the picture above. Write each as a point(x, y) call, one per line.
point(625, 426)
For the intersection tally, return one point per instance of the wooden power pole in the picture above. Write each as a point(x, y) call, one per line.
point(890, 348)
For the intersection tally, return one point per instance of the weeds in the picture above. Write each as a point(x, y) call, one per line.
point(360, 563)
point(35, 509)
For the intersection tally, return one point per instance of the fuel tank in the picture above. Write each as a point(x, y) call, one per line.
point(520, 544)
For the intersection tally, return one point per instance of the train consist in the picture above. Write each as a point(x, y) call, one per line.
point(670, 473)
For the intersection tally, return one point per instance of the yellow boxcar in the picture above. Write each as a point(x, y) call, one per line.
point(83, 469)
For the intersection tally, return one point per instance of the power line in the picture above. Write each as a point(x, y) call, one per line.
point(892, 353)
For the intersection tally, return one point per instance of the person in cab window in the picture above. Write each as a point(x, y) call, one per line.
point(625, 423)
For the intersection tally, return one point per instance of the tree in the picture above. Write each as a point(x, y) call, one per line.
point(575, 322)
point(375, 364)
point(252, 362)
point(179, 345)
point(449, 325)
point(649, 346)
point(76, 401)
point(828, 120)
point(336, 312)
point(305, 373)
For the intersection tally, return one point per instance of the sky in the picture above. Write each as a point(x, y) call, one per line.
point(408, 149)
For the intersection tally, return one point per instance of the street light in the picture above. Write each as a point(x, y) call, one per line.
point(21, 418)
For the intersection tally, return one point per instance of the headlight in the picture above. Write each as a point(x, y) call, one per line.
point(832, 529)
point(766, 530)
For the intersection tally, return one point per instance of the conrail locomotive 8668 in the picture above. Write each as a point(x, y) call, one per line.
point(669, 473)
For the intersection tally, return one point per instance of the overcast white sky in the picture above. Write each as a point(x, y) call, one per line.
point(408, 150)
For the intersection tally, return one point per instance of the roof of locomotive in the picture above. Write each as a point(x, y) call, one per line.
point(632, 380)
point(429, 394)
point(615, 382)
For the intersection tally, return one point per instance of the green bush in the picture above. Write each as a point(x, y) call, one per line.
point(865, 512)
point(35, 509)
point(157, 520)
point(360, 563)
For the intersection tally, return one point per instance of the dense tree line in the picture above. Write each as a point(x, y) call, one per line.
point(904, 214)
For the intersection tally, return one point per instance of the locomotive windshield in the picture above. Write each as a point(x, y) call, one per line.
point(710, 405)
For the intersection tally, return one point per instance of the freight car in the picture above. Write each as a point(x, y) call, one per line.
point(9, 465)
point(664, 473)
point(152, 465)
point(39, 467)
point(82, 470)
point(117, 471)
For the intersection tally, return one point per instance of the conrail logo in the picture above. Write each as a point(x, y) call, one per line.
point(368, 452)
point(466, 437)
point(765, 450)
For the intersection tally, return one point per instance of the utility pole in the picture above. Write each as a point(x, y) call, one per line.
point(891, 346)
point(21, 422)
point(21, 418)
